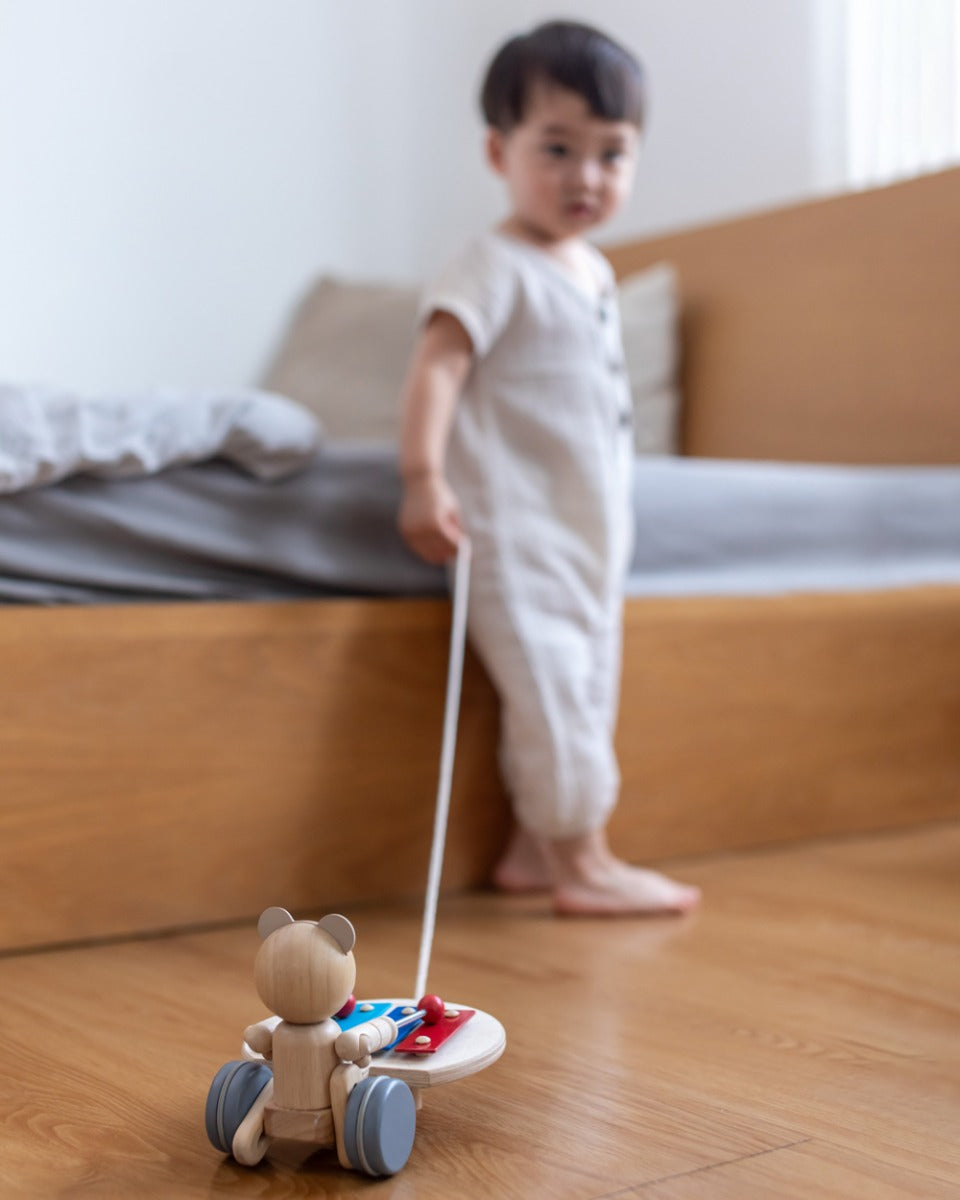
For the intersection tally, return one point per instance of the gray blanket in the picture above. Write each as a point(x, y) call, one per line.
point(211, 532)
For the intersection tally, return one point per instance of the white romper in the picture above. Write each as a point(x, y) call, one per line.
point(540, 455)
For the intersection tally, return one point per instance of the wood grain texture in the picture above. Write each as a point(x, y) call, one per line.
point(812, 1167)
point(823, 332)
point(172, 765)
point(754, 719)
point(796, 1038)
point(169, 764)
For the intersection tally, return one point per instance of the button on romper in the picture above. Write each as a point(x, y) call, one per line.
point(540, 457)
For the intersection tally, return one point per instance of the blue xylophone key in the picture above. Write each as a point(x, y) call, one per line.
point(365, 1011)
point(401, 1013)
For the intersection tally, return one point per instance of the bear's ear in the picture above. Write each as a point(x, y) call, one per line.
point(340, 930)
point(272, 919)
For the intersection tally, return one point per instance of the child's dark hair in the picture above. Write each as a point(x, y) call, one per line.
point(574, 56)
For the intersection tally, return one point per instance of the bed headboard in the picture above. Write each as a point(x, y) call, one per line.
point(825, 332)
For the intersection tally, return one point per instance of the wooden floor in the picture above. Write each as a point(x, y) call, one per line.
point(799, 1038)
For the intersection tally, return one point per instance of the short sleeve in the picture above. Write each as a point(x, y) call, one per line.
point(479, 288)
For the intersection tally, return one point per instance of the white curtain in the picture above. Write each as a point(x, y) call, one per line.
point(903, 88)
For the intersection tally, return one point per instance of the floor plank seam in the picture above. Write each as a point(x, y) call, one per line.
point(727, 1162)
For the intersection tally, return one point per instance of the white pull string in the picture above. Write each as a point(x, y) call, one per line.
point(458, 637)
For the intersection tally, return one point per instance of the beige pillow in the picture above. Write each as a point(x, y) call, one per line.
point(346, 353)
point(649, 314)
point(345, 356)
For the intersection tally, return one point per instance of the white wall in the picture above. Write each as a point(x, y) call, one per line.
point(173, 173)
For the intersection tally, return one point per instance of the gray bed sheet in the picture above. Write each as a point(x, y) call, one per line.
point(710, 526)
point(210, 532)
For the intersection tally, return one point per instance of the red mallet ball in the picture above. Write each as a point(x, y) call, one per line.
point(433, 1009)
point(349, 1006)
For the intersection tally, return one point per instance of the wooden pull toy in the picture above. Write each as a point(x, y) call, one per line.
point(326, 1069)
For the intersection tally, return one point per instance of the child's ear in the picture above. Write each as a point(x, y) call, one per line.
point(494, 148)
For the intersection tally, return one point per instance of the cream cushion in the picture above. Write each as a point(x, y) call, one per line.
point(346, 352)
point(649, 313)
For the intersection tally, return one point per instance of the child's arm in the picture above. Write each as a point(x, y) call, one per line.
point(429, 514)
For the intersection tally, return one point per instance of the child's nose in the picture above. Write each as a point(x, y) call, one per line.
point(588, 172)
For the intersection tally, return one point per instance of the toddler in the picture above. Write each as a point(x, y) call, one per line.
point(517, 432)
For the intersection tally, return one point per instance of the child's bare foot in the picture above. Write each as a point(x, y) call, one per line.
point(523, 867)
point(627, 891)
point(591, 881)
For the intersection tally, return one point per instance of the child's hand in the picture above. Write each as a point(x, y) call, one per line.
point(430, 518)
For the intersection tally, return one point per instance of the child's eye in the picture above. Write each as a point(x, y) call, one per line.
point(613, 155)
point(556, 150)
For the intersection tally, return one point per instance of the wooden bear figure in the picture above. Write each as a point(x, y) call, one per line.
point(320, 1090)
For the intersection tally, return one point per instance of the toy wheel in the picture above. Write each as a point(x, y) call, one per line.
point(379, 1124)
point(232, 1094)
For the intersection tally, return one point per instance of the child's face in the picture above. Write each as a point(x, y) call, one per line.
point(567, 170)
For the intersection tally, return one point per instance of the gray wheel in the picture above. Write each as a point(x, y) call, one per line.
point(232, 1094)
point(379, 1125)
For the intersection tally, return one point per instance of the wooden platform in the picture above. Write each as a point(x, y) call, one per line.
point(171, 765)
point(796, 1039)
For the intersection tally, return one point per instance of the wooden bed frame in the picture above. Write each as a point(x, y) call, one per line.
point(172, 765)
